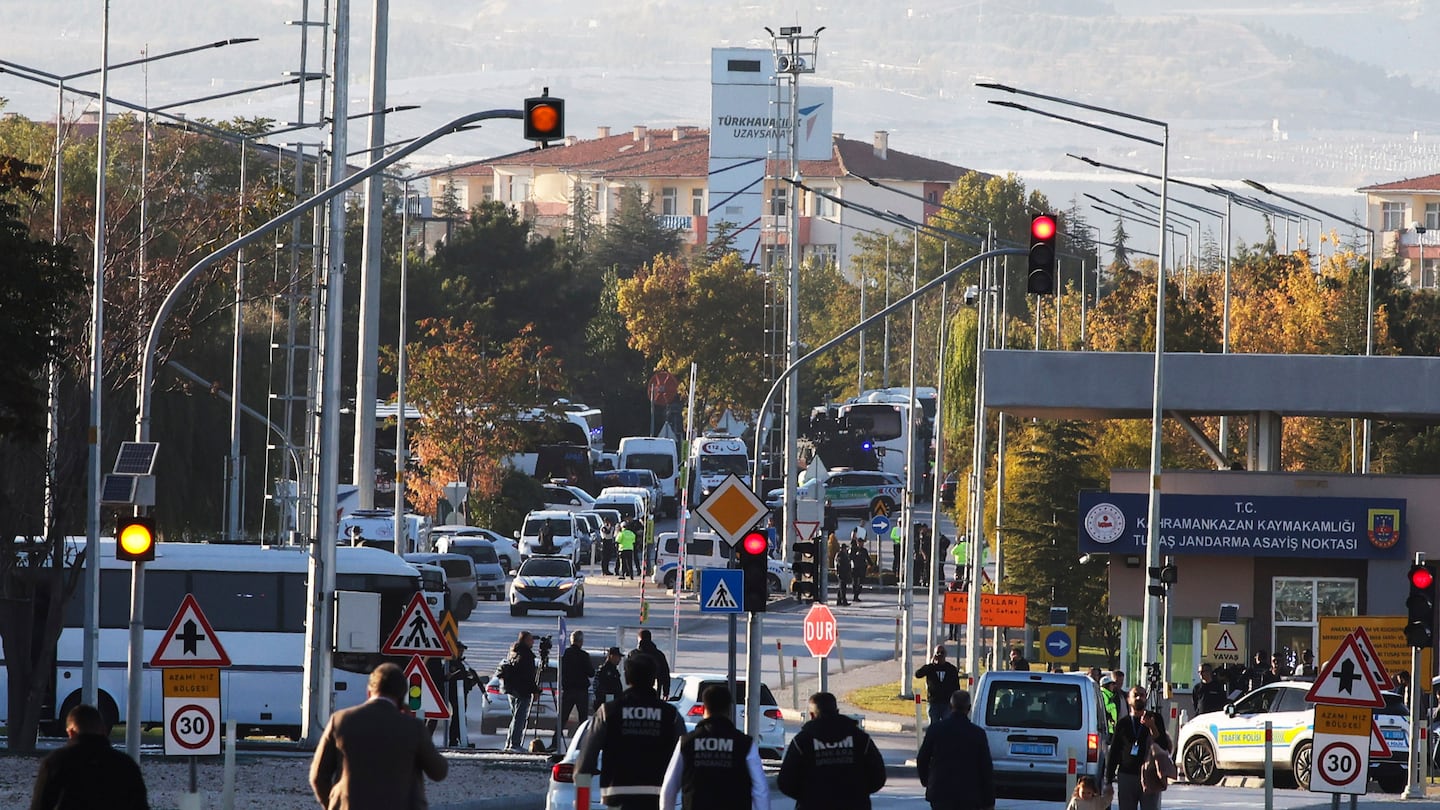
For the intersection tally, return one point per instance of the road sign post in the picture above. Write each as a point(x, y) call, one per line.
point(1345, 692)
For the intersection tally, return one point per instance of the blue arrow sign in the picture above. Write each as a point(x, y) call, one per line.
point(722, 590)
point(1058, 643)
point(880, 524)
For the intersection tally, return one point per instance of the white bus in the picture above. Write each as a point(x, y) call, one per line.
point(712, 460)
point(563, 441)
point(883, 416)
point(255, 600)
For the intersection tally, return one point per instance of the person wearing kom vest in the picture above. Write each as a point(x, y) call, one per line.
point(832, 764)
point(716, 766)
point(637, 732)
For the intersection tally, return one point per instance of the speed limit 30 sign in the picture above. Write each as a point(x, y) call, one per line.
point(192, 712)
point(1340, 749)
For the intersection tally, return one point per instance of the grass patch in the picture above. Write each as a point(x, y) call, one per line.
point(882, 699)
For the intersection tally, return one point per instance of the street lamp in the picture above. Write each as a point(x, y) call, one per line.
point(1369, 294)
point(1151, 631)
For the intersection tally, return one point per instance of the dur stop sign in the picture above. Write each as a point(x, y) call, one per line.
point(821, 632)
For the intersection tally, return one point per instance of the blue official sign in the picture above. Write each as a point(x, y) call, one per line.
point(880, 524)
point(1058, 643)
point(722, 590)
point(1246, 526)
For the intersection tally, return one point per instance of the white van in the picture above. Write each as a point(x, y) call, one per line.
point(647, 506)
point(564, 533)
point(1035, 721)
point(628, 504)
point(660, 456)
point(376, 528)
point(712, 460)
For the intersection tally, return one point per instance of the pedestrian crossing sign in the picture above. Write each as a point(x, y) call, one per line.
point(722, 590)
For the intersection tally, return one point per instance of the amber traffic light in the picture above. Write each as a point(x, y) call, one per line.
point(135, 539)
point(544, 119)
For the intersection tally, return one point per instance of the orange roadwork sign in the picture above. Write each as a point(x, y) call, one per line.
point(996, 609)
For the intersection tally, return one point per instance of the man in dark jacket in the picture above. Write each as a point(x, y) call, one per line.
point(576, 670)
point(859, 566)
point(662, 665)
point(522, 685)
point(1129, 746)
point(1209, 694)
point(941, 680)
point(954, 761)
point(832, 764)
point(716, 766)
point(87, 772)
point(607, 678)
point(637, 734)
point(842, 572)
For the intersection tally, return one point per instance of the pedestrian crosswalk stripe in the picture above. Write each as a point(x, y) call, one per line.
point(721, 598)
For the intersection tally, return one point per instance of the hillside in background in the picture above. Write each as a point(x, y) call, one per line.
point(1315, 92)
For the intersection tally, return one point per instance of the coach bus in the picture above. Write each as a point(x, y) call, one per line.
point(255, 600)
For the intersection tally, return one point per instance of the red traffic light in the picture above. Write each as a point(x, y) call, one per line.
point(1421, 577)
point(544, 118)
point(755, 543)
point(1043, 227)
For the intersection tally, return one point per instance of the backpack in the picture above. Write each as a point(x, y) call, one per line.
point(505, 671)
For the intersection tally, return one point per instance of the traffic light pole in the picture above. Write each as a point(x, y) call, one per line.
point(763, 429)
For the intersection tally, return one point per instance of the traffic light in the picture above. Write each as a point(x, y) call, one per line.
point(754, 558)
point(544, 118)
point(412, 693)
point(1041, 280)
point(135, 539)
point(1420, 627)
point(806, 568)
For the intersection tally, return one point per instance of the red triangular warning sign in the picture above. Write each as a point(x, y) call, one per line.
point(1372, 659)
point(190, 641)
point(421, 696)
point(1378, 746)
point(1226, 643)
point(1345, 680)
point(417, 632)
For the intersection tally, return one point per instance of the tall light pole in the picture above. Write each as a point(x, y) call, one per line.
point(1151, 630)
point(1369, 292)
point(362, 467)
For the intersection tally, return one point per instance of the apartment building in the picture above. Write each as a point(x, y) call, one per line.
point(671, 167)
point(1405, 215)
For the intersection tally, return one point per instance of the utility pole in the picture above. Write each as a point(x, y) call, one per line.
point(320, 594)
point(362, 466)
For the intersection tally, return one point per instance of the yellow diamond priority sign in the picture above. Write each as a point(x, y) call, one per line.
point(732, 509)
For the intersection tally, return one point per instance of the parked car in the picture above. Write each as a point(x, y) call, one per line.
point(1034, 721)
point(548, 583)
point(505, 548)
point(685, 692)
point(634, 479)
point(1231, 740)
point(566, 498)
point(495, 711)
point(647, 506)
point(489, 572)
point(560, 789)
point(460, 579)
point(590, 522)
point(433, 585)
point(629, 505)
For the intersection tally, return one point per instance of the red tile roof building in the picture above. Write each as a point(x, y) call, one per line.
point(671, 166)
point(1393, 210)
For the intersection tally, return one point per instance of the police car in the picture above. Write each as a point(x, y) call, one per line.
point(854, 492)
point(706, 550)
point(548, 583)
point(1233, 740)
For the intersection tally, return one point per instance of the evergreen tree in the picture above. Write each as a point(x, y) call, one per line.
point(1051, 462)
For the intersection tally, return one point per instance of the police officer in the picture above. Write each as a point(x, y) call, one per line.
point(832, 764)
point(1209, 694)
point(637, 733)
point(607, 678)
point(942, 678)
point(716, 766)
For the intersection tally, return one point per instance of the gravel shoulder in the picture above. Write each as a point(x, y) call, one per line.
point(281, 781)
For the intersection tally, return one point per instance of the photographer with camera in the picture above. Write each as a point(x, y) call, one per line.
point(521, 682)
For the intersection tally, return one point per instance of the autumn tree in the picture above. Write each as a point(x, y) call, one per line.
point(468, 391)
point(678, 312)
